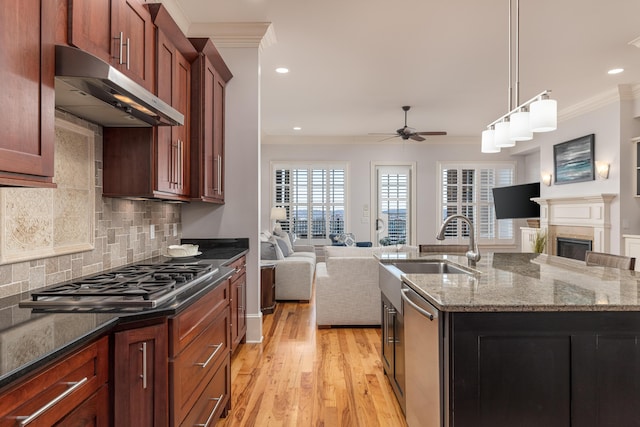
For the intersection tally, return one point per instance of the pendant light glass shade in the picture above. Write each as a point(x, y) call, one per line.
point(520, 130)
point(502, 135)
point(543, 115)
point(488, 141)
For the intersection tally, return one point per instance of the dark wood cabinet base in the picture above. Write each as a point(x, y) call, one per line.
point(551, 369)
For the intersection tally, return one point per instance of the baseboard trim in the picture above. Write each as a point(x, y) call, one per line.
point(254, 328)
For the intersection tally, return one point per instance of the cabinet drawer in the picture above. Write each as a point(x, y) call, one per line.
point(240, 266)
point(50, 395)
point(214, 399)
point(195, 366)
point(187, 325)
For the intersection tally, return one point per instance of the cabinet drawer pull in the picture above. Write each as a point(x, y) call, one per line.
point(121, 43)
point(206, 362)
point(215, 408)
point(128, 47)
point(143, 349)
point(28, 419)
point(219, 174)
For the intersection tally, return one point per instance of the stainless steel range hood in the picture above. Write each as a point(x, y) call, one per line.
point(90, 88)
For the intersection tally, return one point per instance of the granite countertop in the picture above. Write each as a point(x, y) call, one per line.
point(523, 282)
point(31, 338)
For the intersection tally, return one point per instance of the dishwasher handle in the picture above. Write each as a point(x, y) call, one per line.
point(426, 309)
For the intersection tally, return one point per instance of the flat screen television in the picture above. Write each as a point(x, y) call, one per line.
point(514, 201)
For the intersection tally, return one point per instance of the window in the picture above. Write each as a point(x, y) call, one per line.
point(466, 189)
point(314, 196)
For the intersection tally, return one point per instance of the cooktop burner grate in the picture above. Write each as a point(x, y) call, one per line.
point(140, 285)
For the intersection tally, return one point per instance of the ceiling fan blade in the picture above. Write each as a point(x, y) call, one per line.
point(386, 139)
point(431, 133)
point(416, 137)
point(378, 134)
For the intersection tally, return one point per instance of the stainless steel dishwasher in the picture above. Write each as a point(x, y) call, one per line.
point(423, 360)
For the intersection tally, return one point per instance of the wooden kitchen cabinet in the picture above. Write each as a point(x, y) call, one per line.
point(140, 376)
point(267, 287)
point(210, 75)
point(154, 162)
point(173, 87)
point(120, 32)
point(27, 33)
point(199, 360)
point(72, 391)
point(238, 302)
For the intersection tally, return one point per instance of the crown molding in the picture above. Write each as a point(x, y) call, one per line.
point(235, 34)
point(177, 13)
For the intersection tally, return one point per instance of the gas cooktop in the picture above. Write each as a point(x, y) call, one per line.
point(134, 286)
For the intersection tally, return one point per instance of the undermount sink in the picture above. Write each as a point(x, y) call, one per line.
point(430, 267)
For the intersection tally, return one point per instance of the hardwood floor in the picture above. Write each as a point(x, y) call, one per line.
point(304, 376)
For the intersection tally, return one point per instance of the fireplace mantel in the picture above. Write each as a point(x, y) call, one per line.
point(565, 215)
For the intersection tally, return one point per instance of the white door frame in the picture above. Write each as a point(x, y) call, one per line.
point(374, 199)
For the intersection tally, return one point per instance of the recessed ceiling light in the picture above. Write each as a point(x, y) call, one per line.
point(615, 71)
point(297, 128)
point(282, 70)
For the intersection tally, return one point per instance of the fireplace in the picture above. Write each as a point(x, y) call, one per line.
point(573, 248)
point(577, 217)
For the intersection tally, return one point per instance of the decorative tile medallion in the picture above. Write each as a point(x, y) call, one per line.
point(43, 222)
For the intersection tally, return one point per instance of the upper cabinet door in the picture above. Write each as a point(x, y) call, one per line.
point(26, 83)
point(119, 32)
point(135, 25)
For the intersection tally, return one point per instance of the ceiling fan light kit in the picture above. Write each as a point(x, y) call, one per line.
point(539, 114)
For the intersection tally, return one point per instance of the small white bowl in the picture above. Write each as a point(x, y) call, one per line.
point(182, 250)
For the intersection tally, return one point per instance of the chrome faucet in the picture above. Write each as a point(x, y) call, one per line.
point(473, 254)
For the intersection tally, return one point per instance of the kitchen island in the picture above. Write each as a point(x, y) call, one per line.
point(531, 340)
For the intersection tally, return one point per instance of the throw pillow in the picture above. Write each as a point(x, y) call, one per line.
point(282, 242)
point(273, 240)
point(292, 239)
point(349, 240)
point(267, 251)
point(287, 241)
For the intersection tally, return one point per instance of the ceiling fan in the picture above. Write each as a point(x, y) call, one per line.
point(407, 132)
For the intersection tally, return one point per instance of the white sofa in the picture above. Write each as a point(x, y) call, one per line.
point(294, 274)
point(347, 291)
point(294, 270)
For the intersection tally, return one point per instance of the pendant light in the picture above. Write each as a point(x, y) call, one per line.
point(544, 114)
point(488, 141)
point(539, 114)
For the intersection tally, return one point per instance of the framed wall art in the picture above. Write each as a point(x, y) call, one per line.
point(573, 161)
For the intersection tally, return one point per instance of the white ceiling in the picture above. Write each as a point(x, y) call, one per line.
point(354, 63)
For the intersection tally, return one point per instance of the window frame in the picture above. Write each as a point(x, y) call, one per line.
point(311, 165)
point(477, 167)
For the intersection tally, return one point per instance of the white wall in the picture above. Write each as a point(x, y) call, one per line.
point(238, 217)
point(360, 156)
point(613, 126)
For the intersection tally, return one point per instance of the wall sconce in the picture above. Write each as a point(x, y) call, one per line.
point(602, 169)
point(546, 179)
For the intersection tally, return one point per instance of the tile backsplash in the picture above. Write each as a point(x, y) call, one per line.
point(122, 236)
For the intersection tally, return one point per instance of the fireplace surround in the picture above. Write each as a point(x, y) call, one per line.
point(585, 218)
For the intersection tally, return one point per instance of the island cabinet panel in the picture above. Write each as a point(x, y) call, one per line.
point(27, 33)
point(199, 360)
point(120, 32)
point(209, 78)
point(140, 376)
point(71, 391)
point(551, 369)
